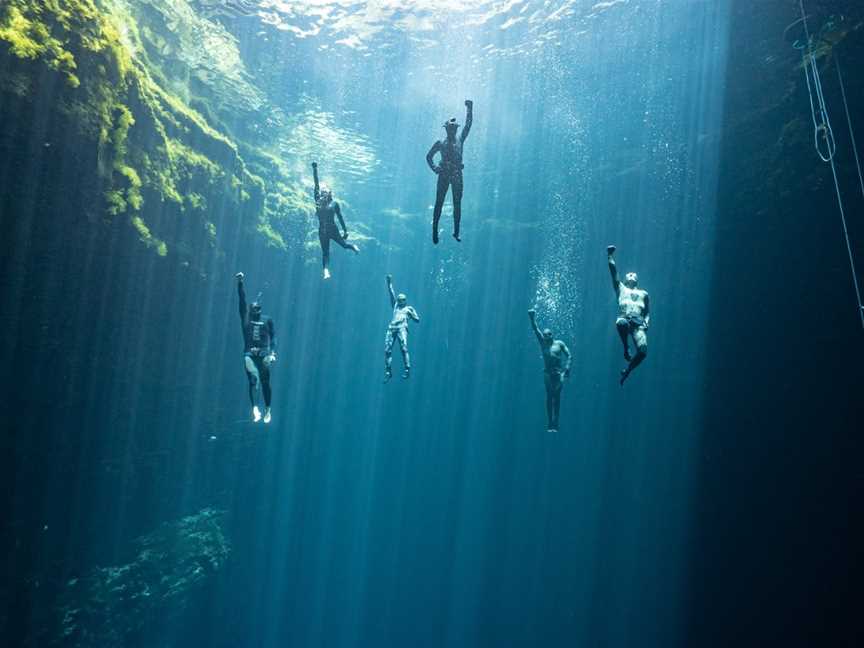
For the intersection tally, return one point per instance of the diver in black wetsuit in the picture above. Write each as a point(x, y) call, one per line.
point(556, 363)
point(327, 210)
point(259, 350)
point(450, 170)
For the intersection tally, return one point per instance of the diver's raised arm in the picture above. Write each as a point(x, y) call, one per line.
point(241, 293)
point(390, 289)
point(613, 269)
point(469, 118)
point(431, 155)
point(531, 315)
point(315, 178)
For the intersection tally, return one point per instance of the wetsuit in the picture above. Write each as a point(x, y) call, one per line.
point(327, 229)
point(259, 341)
point(449, 174)
point(398, 330)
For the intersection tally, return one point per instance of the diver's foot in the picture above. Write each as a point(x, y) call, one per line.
point(553, 430)
point(256, 414)
point(624, 374)
point(406, 373)
point(267, 417)
point(326, 273)
point(388, 375)
point(435, 236)
point(627, 355)
point(456, 236)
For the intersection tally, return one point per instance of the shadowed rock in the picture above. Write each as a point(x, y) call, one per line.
point(112, 606)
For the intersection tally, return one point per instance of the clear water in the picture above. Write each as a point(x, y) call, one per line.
point(439, 511)
point(436, 511)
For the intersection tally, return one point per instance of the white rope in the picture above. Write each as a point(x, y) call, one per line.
point(822, 126)
point(849, 122)
point(848, 244)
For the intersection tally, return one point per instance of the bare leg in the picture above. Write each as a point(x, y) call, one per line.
point(623, 327)
point(641, 340)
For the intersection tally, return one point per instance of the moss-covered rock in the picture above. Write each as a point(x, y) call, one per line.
point(154, 154)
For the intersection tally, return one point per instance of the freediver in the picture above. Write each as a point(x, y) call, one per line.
point(633, 314)
point(398, 330)
point(259, 352)
point(449, 171)
point(556, 361)
point(327, 210)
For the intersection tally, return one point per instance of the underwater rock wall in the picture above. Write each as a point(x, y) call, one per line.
point(112, 606)
point(89, 78)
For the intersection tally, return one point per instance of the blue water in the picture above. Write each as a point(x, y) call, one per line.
point(436, 511)
point(439, 511)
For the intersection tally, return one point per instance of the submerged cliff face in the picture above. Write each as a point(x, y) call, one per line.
point(141, 96)
point(113, 606)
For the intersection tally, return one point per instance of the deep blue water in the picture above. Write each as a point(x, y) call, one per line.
point(439, 511)
point(435, 511)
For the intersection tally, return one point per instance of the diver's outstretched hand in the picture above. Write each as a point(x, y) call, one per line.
point(531, 313)
point(611, 250)
point(389, 279)
point(314, 165)
point(239, 276)
point(469, 103)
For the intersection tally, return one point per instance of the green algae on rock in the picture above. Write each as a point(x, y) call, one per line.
point(153, 152)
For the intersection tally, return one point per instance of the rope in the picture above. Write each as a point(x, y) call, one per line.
point(849, 122)
point(822, 126)
point(848, 244)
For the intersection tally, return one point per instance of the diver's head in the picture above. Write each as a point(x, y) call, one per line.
point(547, 336)
point(255, 311)
point(401, 299)
point(631, 279)
point(451, 126)
point(325, 195)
